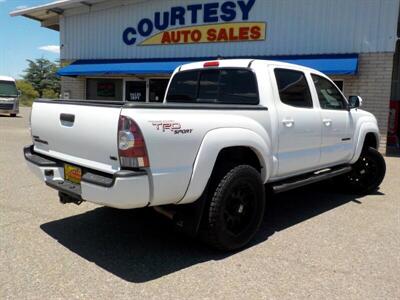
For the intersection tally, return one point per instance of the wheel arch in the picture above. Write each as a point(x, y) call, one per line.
point(368, 136)
point(371, 139)
point(221, 145)
point(235, 155)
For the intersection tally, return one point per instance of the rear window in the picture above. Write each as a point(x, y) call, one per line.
point(223, 86)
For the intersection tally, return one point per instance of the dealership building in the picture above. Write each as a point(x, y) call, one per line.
point(127, 49)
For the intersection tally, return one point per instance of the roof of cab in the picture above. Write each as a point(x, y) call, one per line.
point(7, 78)
point(245, 63)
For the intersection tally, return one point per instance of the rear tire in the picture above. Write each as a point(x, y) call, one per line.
point(367, 174)
point(13, 115)
point(236, 209)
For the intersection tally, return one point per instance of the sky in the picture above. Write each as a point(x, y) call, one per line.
point(22, 38)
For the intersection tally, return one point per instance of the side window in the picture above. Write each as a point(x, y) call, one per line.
point(293, 88)
point(328, 95)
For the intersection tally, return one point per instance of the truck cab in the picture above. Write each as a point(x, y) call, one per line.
point(9, 102)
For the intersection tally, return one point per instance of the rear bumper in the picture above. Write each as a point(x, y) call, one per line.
point(124, 189)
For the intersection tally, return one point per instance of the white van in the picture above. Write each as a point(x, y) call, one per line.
point(9, 102)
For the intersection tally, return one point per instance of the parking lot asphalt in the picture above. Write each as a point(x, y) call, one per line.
point(315, 243)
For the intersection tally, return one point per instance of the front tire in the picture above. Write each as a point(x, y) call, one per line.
point(13, 115)
point(367, 174)
point(235, 210)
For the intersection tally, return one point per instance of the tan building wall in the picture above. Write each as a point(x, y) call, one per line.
point(76, 87)
point(373, 84)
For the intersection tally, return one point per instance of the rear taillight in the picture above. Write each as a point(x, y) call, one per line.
point(131, 146)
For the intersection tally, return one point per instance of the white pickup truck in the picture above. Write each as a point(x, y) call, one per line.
point(226, 131)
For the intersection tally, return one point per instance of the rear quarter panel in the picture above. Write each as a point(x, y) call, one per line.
point(174, 136)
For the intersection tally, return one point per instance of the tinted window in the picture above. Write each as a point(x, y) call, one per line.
point(238, 86)
point(293, 88)
point(183, 87)
point(208, 86)
point(226, 86)
point(328, 95)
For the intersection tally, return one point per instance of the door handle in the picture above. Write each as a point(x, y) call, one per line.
point(288, 122)
point(327, 122)
point(67, 118)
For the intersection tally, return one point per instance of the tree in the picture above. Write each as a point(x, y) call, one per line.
point(41, 73)
point(28, 93)
point(50, 94)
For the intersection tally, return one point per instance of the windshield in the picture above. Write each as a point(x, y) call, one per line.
point(8, 88)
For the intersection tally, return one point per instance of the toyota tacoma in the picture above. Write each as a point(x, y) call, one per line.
point(227, 131)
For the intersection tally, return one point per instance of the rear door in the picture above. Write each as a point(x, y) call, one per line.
point(81, 134)
point(336, 120)
point(299, 125)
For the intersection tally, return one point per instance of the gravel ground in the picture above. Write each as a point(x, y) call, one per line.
point(315, 243)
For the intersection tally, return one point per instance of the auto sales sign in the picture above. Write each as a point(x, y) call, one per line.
point(198, 23)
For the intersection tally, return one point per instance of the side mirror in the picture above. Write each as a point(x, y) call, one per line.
point(355, 101)
point(19, 93)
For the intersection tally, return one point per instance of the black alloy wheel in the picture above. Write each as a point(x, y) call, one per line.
point(239, 208)
point(235, 210)
point(368, 172)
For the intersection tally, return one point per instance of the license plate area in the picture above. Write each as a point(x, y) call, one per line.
point(72, 173)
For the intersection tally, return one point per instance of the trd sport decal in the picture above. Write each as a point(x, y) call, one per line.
point(170, 126)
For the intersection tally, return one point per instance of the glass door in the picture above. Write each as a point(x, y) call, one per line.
point(135, 91)
point(157, 88)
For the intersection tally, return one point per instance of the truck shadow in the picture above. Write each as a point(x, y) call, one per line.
point(140, 245)
point(8, 116)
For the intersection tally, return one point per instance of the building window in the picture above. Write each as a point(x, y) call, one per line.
point(104, 89)
point(157, 89)
point(339, 84)
point(135, 91)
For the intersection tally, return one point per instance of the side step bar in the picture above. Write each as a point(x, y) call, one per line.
point(302, 180)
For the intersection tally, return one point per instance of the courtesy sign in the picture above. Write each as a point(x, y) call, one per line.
point(219, 22)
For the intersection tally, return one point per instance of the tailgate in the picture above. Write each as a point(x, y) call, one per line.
point(85, 135)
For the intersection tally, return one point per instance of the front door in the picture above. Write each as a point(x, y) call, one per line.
point(336, 120)
point(135, 91)
point(299, 125)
